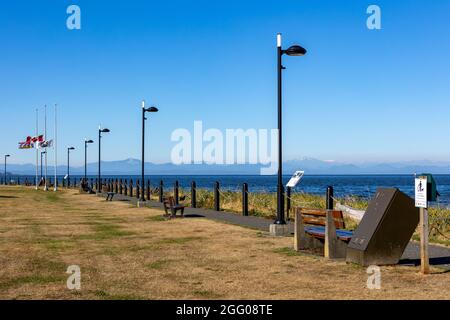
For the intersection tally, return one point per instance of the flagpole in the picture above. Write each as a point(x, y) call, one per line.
point(56, 150)
point(45, 139)
point(37, 150)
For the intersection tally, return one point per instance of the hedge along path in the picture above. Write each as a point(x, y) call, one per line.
point(130, 253)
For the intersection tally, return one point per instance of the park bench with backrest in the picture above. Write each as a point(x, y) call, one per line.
point(171, 207)
point(321, 229)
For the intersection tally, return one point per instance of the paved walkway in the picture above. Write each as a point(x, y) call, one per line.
point(439, 255)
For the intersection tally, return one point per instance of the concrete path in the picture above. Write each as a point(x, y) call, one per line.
point(439, 255)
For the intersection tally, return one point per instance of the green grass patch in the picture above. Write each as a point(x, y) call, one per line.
point(55, 244)
point(108, 296)
point(31, 279)
point(159, 264)
point(206, 294)
point(53, 197)
point(181, 240)
point(43, 265)
point(104, 232)
point(290, 252)
point(156, 218)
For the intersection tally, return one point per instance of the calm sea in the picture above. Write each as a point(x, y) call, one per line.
point(359, 185)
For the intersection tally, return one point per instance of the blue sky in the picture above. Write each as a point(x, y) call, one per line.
point(358, 95)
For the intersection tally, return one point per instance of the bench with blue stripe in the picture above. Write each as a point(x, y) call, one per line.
point(321, 229)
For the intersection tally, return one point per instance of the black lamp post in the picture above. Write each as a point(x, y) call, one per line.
point(144, 110)
point(100, 131)
point(6, 156)
point(68, 161)
point(291, 51)
point(85, 157)
point(42, 153)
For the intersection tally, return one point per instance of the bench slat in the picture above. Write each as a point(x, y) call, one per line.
point(319, 232)
point(317, 217)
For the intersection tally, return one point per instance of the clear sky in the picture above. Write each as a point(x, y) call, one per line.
point(358, 95)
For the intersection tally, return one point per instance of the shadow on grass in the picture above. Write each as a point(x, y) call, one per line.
point(433, 261)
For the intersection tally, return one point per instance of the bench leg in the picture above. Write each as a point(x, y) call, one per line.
point(301, 239)
point(333, 247)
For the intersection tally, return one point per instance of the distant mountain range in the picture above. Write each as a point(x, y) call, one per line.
point(309, 165)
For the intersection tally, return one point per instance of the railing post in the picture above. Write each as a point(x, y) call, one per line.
point(216, 196)
point(193, 194)
point(120, 186)
point(175, 191)
point(138, 189)
point(288, 202)
point(161, 191)
point(330, 204)
point(149, 190)
point(245, 199)
point(131, 188)
point(125, 187)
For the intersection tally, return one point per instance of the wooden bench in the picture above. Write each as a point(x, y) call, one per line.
point(316, 228)
point(110, 196)
point(171, 208)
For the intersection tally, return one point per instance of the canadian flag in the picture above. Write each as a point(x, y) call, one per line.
point(31, 142)
point(37, 139)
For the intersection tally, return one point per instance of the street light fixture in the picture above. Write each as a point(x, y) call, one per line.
point(294, 50)
point(68, 161)
point(6, 156)
point(100, 131)
point(144, 110)
point(85, 157)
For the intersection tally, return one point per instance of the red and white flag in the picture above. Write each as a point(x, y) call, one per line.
point(31, 142)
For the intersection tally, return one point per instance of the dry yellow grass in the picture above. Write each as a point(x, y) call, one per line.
point(131, 253)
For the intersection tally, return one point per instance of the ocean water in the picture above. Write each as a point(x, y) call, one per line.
point(363, 186)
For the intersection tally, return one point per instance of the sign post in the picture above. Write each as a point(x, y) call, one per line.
point(422, 203)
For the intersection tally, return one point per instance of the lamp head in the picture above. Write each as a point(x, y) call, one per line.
point(71, 148)
point(89, 141)
point(7, 155)
point(296, 51)
point(105, 130)
point(151, 109)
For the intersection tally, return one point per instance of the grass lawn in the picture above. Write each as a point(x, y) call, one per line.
point(130, 253)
